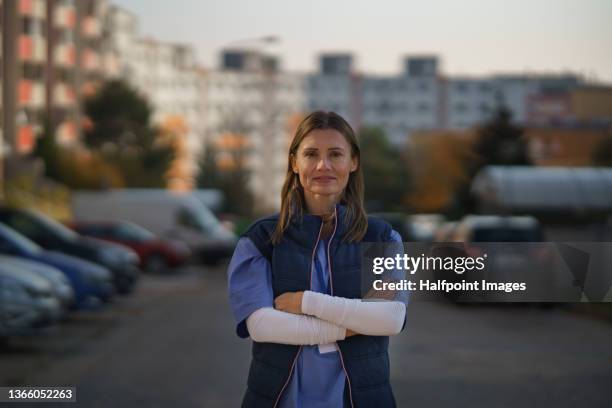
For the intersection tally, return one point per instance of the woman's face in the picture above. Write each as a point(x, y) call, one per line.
point(324, 163)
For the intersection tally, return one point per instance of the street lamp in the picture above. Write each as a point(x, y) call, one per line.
point(266, 39)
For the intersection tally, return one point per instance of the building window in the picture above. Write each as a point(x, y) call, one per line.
point(33, 72)
point(485, 88)
point(461, 87)
point(460, 107)
point(484, 108)
point(34, 27)
point(67, 36)
point(424, 107)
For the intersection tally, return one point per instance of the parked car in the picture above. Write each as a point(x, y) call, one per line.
point(497, 228)
point(50, 234)
point(445, 231)
point(399, 222)
point(61, 285)
point(524, 261)
point(91, 283)
point(40, 290)
point(169, 215)
point(156, 254)
point(424, 226)
point(18, 312)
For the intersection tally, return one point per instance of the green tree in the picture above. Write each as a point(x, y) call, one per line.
point(602, 155)
point(74, 167)
point(122, 132)
point(232, 181)
point(49, 152)
point(498, 142)
point(385, 175)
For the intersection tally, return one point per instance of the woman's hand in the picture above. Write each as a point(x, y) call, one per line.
point(290, 302)
point(350, 333)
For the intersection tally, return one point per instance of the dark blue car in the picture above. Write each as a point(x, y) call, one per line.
point(53, 236)
point(90, 282)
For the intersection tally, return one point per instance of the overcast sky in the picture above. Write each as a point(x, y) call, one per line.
point(472, 37)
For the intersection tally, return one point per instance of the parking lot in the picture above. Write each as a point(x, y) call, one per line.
point(173, 343)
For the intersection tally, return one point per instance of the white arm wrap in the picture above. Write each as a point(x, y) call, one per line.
point(375, 318)
point(268, 325)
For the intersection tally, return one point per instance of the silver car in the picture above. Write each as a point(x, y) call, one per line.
point(17, 310)
point(61, 285)
point(40, 289)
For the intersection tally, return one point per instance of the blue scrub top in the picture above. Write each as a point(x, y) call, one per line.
point(318, 378)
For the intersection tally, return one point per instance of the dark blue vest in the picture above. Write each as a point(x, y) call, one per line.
point(365, 358)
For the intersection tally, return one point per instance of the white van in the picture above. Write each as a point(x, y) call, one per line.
point(179, 216)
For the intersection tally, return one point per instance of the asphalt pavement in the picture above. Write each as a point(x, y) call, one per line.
point(172, 344)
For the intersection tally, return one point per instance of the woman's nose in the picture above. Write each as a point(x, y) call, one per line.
point(323, 164)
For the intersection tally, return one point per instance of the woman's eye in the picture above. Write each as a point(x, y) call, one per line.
point(309, 154)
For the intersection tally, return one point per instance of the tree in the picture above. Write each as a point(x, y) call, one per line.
point(74, 167)
point(49, 152)
point(498, 142)
point(226, 171)
point(121, 131)
point(384, 172)
point(602, 155)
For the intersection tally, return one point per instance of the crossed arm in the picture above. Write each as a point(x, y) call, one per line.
point(308, 318)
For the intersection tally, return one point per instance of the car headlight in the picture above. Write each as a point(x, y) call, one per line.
point(109, 258)
point(35, 292)
point(131, 257)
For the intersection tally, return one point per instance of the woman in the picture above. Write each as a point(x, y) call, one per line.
point(295, 283)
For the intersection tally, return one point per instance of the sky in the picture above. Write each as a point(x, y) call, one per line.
point(471, 37)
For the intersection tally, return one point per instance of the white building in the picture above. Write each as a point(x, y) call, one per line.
point(259, 104)
point(468, 101)
point(165, 73)
point(398, 104)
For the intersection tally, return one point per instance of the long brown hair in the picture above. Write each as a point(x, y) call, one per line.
point(293, 202)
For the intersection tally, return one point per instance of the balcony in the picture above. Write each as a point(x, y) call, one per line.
point(32, 48)
point(67, 132)
point(25, 139)
point(65, 55)
point(64, 96)
point(90, 27)
point(31, 94)
point(89, 89)
point(90, 60)
point(64, 17)
point(33, 8)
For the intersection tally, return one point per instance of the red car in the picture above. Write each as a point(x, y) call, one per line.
point(156, 254)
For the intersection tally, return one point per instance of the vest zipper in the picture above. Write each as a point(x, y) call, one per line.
point(314, 251)
point(331, 286)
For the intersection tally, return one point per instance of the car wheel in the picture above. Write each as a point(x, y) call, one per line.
point(156, 263)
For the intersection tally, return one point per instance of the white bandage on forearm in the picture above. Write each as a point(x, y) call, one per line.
point(381, 318)
point(268, 325)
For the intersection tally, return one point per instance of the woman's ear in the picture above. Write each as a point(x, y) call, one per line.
point(354, 164)
point(293, 164)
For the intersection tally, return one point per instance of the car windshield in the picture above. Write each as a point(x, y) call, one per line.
point(506, 235)
point(199, 217)
point(55, 227)
point(133, 232)
point(23, 243)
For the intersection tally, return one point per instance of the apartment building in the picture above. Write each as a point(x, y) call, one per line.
point(248, 99)
point(166, 74)
point(50, 63)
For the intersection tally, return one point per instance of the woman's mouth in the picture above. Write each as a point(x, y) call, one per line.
point(324, 179)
